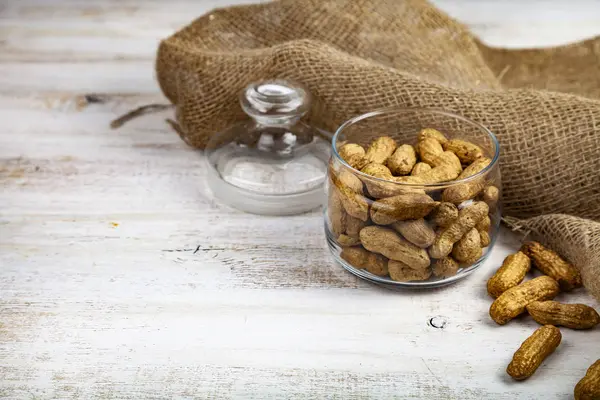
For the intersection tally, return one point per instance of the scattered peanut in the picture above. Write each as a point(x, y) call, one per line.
point(466, 151)
point(445, 267)
point(416, 231)
point(574, 316)
point(468, 217)
point(468, 249)
point(388, 243)
point(380, 149)
point(403, 160)
point(551, 264)
point(588, 388)
point(512, 302)
point(401, 207)
point(363, 259)
point(533, 352)
point(510, 274)
point(402, 272)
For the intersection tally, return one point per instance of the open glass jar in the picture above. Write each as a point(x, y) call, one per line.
point(413, 196)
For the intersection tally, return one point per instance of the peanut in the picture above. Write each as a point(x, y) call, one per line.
point(510, 274)
point(379, 189)
point(388, 243)
point(551, 264)
point(574, 316)
point(380, 149)
point(443, 173)
point(467, 152)
point(466, 191)
point(468, 249)
point(484, 238)
point(402, 272)
point(490, 195)
point(420, 168)
point(429, 149)
point(533, 352)
point(401, 207)
point(484, 224)
point(363, 259)
point(445, 267)
point(335, 211)
point(588, 388)
point(432, 133)
point(353, 154)
point(416, 231)
point(348, 241)
point(448, 158)
point(513, 301)
point(468, 217)
point(351, 194)
point(444, 214)
point(354, 225)
point(403, 160)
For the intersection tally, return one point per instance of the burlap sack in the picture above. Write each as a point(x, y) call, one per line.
point(359, 55)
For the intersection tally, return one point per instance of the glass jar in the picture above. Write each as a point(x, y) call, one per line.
point(412, 228)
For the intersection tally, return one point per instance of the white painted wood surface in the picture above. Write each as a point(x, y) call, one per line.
point(120, 277)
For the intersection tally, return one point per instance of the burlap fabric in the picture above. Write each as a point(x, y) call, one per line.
point(359, 55)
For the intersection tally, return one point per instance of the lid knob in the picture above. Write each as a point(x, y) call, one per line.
point(275, 101)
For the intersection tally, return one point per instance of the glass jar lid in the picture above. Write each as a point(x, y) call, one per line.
point(273, 164)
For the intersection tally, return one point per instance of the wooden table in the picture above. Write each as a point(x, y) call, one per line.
point(120, 276)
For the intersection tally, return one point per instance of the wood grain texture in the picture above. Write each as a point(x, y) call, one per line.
point(121, 277)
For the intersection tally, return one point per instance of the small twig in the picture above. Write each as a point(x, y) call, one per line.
point(143, 110)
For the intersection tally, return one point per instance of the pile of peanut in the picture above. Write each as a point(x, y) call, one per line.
point(514, 297)
point(411, 232)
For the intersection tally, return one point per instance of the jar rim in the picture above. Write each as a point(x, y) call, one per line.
point(395, 109)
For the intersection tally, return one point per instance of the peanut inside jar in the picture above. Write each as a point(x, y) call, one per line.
point(413, 211)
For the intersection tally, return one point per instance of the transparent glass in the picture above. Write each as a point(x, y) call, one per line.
point(364, 212)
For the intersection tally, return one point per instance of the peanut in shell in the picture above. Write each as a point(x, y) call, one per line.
point(420, 168)
point(588, 388)
point(388, 243)
point(512, 302)
point(553, 265)
point(432, 133)
point(573, 316)
point(401, 207)
point(351, 194)
point(468, 249)
point(380, 149)
point(335, 211)
point(510, 274)
point(533, 352)
point(468, 217)
point(363, 259)
point(353, 154)
point(466, 191)
point(416, 231)
point(445, 267)
point(444, 214)
point(466, 151)
point(429, 149)
point(403, 160)
point(401, 272)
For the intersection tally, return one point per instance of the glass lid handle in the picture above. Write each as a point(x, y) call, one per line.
point(275, 101)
